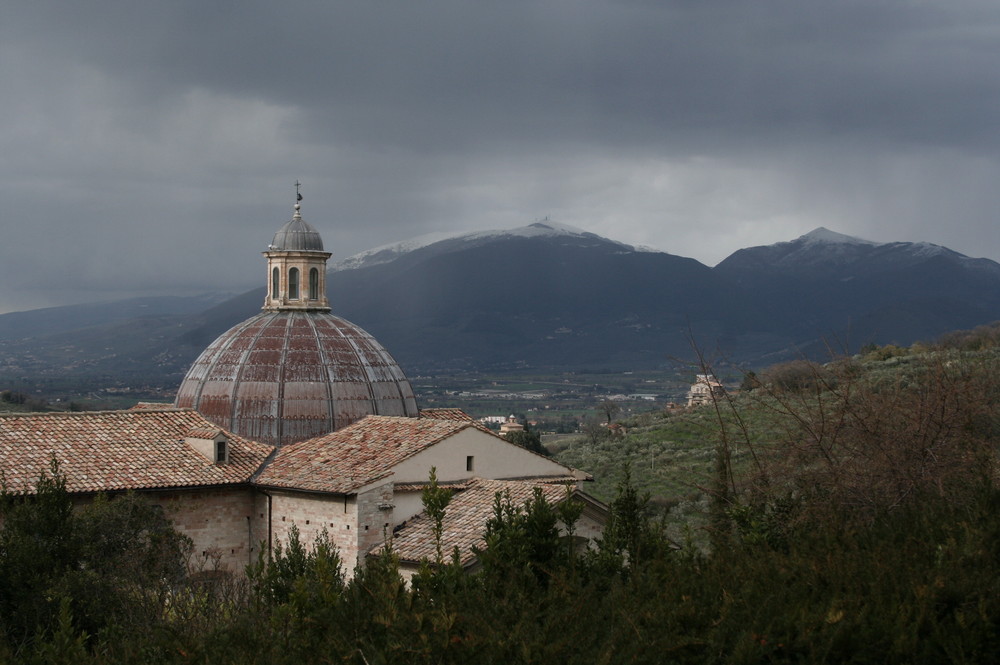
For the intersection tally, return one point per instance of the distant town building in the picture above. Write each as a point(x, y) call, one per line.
point(511, 425)
point(704, 389)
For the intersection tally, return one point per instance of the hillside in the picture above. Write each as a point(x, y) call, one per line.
point(873, 432)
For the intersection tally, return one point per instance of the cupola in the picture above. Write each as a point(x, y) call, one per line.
point(296, 266)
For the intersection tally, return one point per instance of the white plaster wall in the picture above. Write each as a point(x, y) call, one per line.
point(408, 504)
point(493, 458)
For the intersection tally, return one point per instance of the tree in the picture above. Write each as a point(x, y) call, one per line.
point(522, 542)
point(528, 439)
point(435, 500)
point(609, 408)
point(112, 563)
point(627, 533)
point(750, 382)
point(294, 568)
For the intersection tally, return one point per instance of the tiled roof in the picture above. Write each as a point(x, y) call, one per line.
point(465, 519)
point(204, 432)
point(419, 487)
point(445, 414)
point(356, 455)
point(118, 450)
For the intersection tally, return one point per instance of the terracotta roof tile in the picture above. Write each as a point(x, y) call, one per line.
point(445, 414)
point(465, 519)
point(419, 487)
point(356, 455)
point(118, 450)
point(204, 432)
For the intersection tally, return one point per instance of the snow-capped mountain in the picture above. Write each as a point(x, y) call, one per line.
point(899, 291)
point(551, 295)
point(826, 254)
point(445, 242)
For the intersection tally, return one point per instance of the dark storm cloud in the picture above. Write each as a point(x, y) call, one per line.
point(146, 144)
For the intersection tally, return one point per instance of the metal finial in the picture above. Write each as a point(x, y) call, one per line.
point(298, 198)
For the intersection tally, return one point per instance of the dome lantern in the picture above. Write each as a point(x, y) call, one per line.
point(296, 266)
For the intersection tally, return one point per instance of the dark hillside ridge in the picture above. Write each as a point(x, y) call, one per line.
point(543, 300)
point(548, 296)
point(827, 284)
point(74, 317)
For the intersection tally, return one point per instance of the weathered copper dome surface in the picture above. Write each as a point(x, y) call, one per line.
point(287, 376)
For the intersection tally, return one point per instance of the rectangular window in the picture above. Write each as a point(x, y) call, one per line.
point(469, 466)
point(220, 452)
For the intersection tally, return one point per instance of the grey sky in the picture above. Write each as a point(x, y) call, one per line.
point(152, 147)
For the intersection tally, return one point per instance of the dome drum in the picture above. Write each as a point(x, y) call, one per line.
point(296, 280)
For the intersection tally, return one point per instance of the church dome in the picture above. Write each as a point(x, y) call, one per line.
point(295, 371)
point(297, 235)
point(287, 376)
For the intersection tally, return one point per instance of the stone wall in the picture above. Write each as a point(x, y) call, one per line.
point(375, 516)
point(219, 522)
point(312, 514)
point(353, 524)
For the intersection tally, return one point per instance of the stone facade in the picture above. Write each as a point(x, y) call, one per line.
point(353, 523)
point(219, 522)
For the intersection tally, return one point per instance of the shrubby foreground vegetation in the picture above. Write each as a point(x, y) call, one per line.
point(851, 514)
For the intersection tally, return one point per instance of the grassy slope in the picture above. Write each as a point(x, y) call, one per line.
point(672, 455)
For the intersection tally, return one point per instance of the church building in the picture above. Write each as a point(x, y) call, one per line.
point(293, 418)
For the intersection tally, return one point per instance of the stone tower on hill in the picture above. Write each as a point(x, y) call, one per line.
point(295, 371)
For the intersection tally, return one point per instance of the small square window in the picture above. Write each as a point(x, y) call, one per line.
point(469, 463)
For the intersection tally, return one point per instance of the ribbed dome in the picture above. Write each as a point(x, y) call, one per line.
point(287, 376)
point(297, 235)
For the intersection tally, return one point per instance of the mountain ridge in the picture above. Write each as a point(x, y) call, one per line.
point(551, 295)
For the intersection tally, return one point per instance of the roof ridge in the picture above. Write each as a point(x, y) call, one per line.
point(78, 414)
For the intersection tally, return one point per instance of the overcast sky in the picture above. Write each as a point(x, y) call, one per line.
point(152, 147)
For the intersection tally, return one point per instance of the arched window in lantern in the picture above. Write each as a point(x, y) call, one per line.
point(314, 284)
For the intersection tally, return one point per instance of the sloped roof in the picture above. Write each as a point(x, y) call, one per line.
point(465, 519)
point(446, 414)
point(356, 455)
point(119, 450)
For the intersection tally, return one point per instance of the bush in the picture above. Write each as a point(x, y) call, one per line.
point(113, 562)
